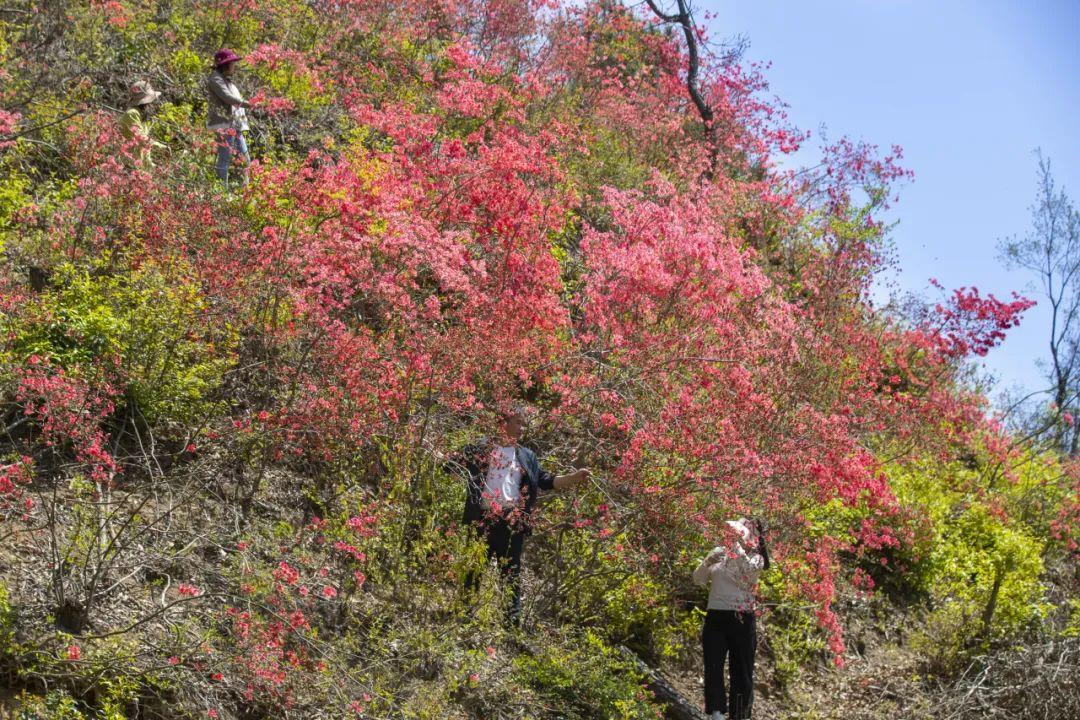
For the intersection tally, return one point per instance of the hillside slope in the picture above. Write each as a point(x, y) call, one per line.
point(227, 411)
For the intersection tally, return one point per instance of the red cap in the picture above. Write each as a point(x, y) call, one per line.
point(224, 56)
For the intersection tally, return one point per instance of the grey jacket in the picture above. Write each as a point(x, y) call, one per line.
point(224, 104)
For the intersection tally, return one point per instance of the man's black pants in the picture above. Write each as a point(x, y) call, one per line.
point(731, 636)
point(505, 541)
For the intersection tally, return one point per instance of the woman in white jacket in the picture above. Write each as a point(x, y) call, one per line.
point(729, 633)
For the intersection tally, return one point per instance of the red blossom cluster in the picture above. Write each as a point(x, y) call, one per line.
point(13, 477)
point(274, 622)
point(969, 324)
point(69, 412)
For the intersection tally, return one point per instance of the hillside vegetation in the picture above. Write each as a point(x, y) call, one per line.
point(225, 412)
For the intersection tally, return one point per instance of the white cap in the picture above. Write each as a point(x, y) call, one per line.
point(741, 526)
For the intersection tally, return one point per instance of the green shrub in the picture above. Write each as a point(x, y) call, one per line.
point(13, 197)
point(626, 604)
point(977, 555)
point(56, 705)
point(7, 622)
point(985, 585)
point(790, 632)
point(1072, 623)
point(585, 678)
point(149, 326)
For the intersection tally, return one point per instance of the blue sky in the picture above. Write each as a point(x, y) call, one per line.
point(969, 89)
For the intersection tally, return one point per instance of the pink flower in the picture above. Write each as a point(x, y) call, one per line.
point(286, 573)
point(74, 652)
point(188, 589)
point(329, 592)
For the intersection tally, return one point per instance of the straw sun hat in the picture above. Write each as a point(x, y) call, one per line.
point(142, 93)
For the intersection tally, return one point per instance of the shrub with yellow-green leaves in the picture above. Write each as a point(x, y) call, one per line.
point(985, 584)
point(978, 555)
point(151, 327)
point(586, 678)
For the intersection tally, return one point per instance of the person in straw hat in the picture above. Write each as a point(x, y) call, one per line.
point(729, 633)
point(226, 115)
point(135, 122)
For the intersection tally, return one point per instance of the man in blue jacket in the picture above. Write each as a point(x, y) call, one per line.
point(504, 480)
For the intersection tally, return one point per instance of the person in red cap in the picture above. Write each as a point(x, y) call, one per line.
point(226, 114)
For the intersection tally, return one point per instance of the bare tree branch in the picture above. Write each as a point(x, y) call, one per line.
point(1052, 252)
point(684, 19)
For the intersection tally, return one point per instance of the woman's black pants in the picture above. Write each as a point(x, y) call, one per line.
point(505, 541)
point(732, 636)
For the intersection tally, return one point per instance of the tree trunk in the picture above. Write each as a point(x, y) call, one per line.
point(991, 604)
point(677, 707)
